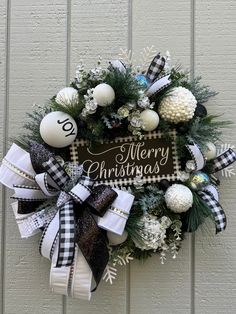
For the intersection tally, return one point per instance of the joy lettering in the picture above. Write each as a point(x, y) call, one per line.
point(67, 126)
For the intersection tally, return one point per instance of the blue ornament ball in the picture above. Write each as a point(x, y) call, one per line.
point(142, 80)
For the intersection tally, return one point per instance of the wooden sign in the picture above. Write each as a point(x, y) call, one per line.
point(118, 162)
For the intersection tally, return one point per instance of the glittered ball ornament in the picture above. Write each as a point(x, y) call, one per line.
point(115, 239)
point(142, 80)
point(210, 151)
point(150, 120)
point(67, 96)
point(58, 129)
point(179, 106)
point(198, 180)
point(179, 198)
point(103, 94)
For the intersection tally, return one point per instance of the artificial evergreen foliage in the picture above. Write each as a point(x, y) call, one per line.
point(197, 214)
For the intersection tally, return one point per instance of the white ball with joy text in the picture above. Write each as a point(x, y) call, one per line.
point(58, 129)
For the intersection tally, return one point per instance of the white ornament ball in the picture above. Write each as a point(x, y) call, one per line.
point(210, 151)
point(179, 198)
point(115, 239)
point(67, 96)
point(150, 119)
point(179, 106)
point(103, 94)
point(58, 129)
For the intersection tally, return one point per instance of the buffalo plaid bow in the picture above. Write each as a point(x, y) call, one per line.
point(65, 203)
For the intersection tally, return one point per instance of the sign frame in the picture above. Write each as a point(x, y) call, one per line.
point(171, 136)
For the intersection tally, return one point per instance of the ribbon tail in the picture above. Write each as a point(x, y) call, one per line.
point(92, 244)
point(217, 210)
point(66, 248)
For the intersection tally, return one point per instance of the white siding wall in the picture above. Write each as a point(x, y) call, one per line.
point(40, 44)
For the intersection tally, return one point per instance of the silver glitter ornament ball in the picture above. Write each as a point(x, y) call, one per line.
point(179, 198)
point(198, 180)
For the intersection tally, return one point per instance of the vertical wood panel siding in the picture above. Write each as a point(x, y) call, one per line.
point(40, 44)
point(215, 59)
point(168, 27)
point(3, 130)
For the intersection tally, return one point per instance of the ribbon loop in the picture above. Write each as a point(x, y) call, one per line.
point(56, 172)
point(116, 217)
point(197, 156)
point(224, 160)
point(101, 198)
point(155, 68)
point(117, 65)
point(158, 85)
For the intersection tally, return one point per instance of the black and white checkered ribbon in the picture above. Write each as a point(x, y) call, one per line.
point(66, 235)
point(56, 172)
point(65, 203)
point(224, 160)
point(156, 67)
point(217, 210)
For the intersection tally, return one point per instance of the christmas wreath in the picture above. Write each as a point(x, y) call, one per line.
point(120, 165)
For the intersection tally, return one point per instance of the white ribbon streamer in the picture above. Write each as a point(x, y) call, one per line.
point(75, 280)
point(82, 278)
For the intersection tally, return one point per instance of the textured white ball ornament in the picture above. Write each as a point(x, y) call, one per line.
point(67, 96)
point(115, 239)
point(150, 119)
point(179, 198)
point(179, 106)
point(210, 151)
point(103, 94)
point(58, 129)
